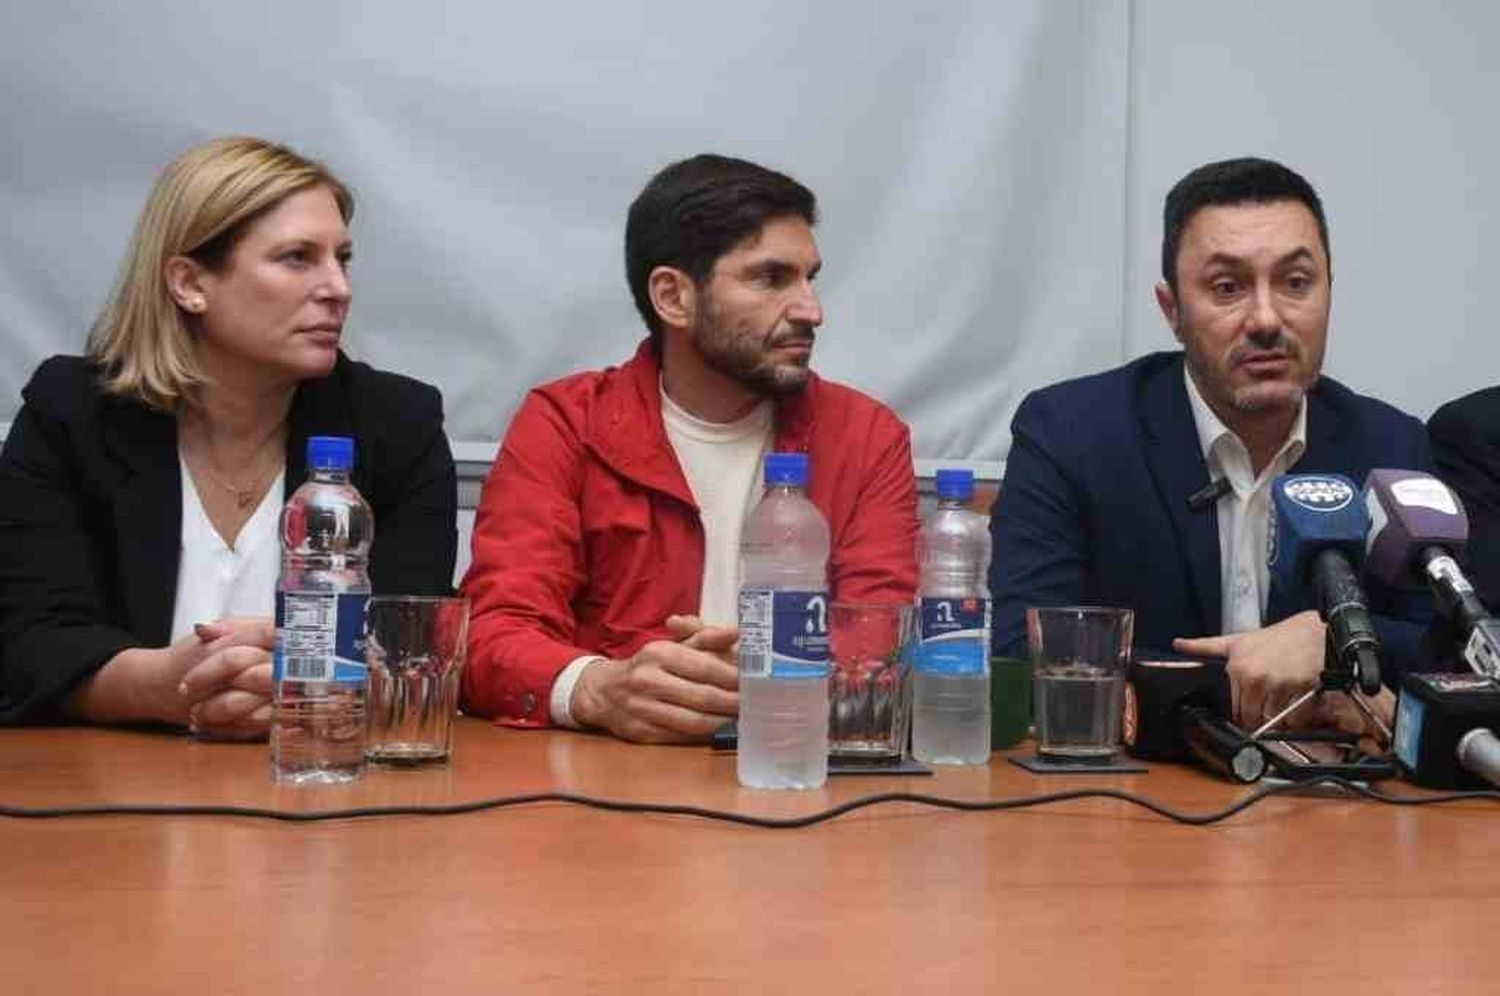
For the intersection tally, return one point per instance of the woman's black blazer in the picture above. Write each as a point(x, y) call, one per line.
point(91, 514)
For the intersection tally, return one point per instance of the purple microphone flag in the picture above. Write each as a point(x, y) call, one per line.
point(1409, 511)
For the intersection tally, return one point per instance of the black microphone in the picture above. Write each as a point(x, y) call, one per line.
point(1319, 532)
point(1208, 496)
point(1174, 711)
point(1445, 727)
point(1418, 531)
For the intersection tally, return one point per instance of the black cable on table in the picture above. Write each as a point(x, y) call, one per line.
point(761, 822)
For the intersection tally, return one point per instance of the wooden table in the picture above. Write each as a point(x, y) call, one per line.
point(1309, 894)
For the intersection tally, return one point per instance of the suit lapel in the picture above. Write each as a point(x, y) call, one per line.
point(147, 516)
point(1326, 451)
point(320, 408)
point(1178, 468)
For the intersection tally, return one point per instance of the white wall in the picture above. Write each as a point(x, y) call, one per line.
point(1389, 110)
point(965, 154)
point(991, 173)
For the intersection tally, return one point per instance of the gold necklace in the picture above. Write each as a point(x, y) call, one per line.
point(243, 497)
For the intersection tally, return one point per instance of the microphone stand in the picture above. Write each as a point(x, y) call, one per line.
point(1340, 675)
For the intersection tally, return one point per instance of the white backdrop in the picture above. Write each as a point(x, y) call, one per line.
point(990, 173)
point(1389, 109)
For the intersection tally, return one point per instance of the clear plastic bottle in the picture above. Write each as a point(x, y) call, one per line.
point(951, 689)
point(783, 615)
point(319, 678)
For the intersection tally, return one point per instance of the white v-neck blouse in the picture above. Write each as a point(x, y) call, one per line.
point(215, 580)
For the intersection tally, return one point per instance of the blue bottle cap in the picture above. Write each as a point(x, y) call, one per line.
point(330, 453)
point(955, 484)
point(786, 468)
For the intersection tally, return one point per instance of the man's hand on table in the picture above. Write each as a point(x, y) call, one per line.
point(667, 692)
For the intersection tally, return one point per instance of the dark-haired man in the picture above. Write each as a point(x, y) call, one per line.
point(1094, 507)
point(605, 548)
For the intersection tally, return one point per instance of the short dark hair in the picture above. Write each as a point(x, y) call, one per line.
point(1232, 181)
point(696, 210)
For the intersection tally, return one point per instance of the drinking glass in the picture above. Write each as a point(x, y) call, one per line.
point(869, 692)
point(1079, 656)
point(415, 648)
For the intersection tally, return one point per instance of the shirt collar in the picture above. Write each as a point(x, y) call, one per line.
point(1211, 429)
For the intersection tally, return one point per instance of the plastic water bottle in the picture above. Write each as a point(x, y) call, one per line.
point(783, 615)
point(319, 676)
point(951, 693)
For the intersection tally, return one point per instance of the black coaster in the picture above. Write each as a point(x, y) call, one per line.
point(726, 739)
point(876, 766)
point(1117, 765)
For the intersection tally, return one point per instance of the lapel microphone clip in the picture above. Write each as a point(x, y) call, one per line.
point(1208, 496)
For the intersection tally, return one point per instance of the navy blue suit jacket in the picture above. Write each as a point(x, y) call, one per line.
point(1093, 509)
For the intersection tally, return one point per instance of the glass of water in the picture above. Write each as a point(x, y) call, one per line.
point(1079, 656)
point(869, 690)
point(415, 648)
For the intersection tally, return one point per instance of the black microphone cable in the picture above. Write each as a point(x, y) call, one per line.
point(760, 822)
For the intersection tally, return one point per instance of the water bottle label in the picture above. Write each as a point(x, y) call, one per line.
point(955, 636)
point(784, 634)
point(320, 636)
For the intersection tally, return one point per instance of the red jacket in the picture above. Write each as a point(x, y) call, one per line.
point(587, 535)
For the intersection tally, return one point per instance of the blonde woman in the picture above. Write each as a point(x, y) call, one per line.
point(140, 485)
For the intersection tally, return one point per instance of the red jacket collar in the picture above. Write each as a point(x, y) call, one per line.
point(630, 436)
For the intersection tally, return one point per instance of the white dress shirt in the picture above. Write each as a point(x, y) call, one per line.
point(215, 580)
point(1244, 513)
point(722, 463)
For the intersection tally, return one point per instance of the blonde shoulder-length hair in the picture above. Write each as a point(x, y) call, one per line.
point(199, 207)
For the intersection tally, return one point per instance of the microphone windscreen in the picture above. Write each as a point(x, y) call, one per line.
point(1313, 513)
point(1409, 511)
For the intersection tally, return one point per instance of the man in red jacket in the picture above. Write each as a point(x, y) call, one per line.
point(605, 558)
